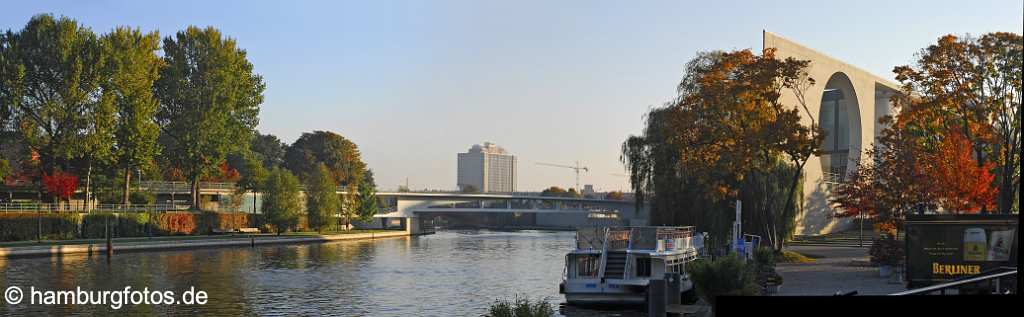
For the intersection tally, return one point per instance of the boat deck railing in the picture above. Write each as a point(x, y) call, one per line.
point(628, 238)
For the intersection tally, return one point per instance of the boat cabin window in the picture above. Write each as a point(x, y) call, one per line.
point(587, 265)
point(643, 267)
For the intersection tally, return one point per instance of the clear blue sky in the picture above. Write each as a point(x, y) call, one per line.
point(414, 82)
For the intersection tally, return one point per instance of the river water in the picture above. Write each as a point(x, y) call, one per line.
point(450, 273)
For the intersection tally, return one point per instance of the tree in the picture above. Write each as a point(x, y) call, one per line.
point(322, 200)
point(252, 173)
point(281, 202)
point(269, 150)
point(209, 102)
point(5, 168)
point(729, 122)
point(335, 151)
point(962, 186)
point(553, 191)
point(470, 189)
point(973, 86)
point(131, 70)
point(49, 91)
point(615, 195)
point(61, 185)
point(892, 181)
point(368, 204)
point(572, 193)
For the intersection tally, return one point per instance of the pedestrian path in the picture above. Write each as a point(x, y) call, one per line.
point(835, 269)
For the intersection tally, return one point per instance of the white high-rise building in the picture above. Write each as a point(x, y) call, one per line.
point(487, 168)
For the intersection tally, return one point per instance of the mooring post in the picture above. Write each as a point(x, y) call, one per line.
point(110, 245)
point(656, 298)
point(674, 284)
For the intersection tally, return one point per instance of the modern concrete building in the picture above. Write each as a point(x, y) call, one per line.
point(847, 103)
point(487, 168)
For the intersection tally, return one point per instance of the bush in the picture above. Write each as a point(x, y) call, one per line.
point(764, 267)
point(176, 223)
point(21, 226)
point(222, 221)
point(142, 198)
point(121, 225)
point(728, 275)
point(521, 307)
point(886, 251)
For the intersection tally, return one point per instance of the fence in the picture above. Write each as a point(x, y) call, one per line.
point(129, 208)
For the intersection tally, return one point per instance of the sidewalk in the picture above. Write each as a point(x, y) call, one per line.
point(91, 246)
point(838, 269)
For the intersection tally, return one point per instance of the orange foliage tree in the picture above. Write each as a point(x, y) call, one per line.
point(225, 173)
point(962, 185)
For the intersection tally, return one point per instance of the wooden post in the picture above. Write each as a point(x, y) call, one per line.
point(110, 244)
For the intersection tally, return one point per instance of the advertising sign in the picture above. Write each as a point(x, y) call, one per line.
point(946, 247)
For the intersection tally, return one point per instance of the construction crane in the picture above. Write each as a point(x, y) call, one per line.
point(576, 168)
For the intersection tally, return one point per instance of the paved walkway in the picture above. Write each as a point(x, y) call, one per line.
point(839, 269)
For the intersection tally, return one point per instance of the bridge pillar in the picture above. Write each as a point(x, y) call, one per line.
point(412, 225)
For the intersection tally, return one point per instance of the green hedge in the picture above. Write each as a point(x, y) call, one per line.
point(16, 226)
point(20, 226)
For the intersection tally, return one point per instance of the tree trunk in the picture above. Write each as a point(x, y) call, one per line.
point(789, 195)
point(126, 199)
point(88, 188)
point(195, 194)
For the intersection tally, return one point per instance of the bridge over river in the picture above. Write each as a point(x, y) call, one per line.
point(421, 210)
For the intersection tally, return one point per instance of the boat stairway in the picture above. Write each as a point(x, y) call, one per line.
point(615, 265)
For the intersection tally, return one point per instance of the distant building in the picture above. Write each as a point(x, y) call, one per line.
point(487, 168)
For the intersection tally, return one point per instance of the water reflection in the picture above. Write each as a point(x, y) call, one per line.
point(449, 273)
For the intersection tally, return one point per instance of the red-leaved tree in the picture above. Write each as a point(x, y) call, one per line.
point(61, 185)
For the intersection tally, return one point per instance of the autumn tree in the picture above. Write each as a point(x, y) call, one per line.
point(131, 70)
point(729, 121)
point(61, 185)
point(972, 86)
point(891, 180)
point(209, 102)
point(961, 185)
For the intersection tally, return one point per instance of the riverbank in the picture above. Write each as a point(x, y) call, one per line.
point(99, 246)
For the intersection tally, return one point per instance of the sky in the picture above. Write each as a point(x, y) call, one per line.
point(412, 83)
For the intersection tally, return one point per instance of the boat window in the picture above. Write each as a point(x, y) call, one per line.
point(643, 267)
point(587, 265)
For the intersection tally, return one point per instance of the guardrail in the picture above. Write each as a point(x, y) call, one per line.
point(992, 277)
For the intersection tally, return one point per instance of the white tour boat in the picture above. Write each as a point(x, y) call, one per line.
point(613, 265)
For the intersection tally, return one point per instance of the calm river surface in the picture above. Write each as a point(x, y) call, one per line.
point(451, 273)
